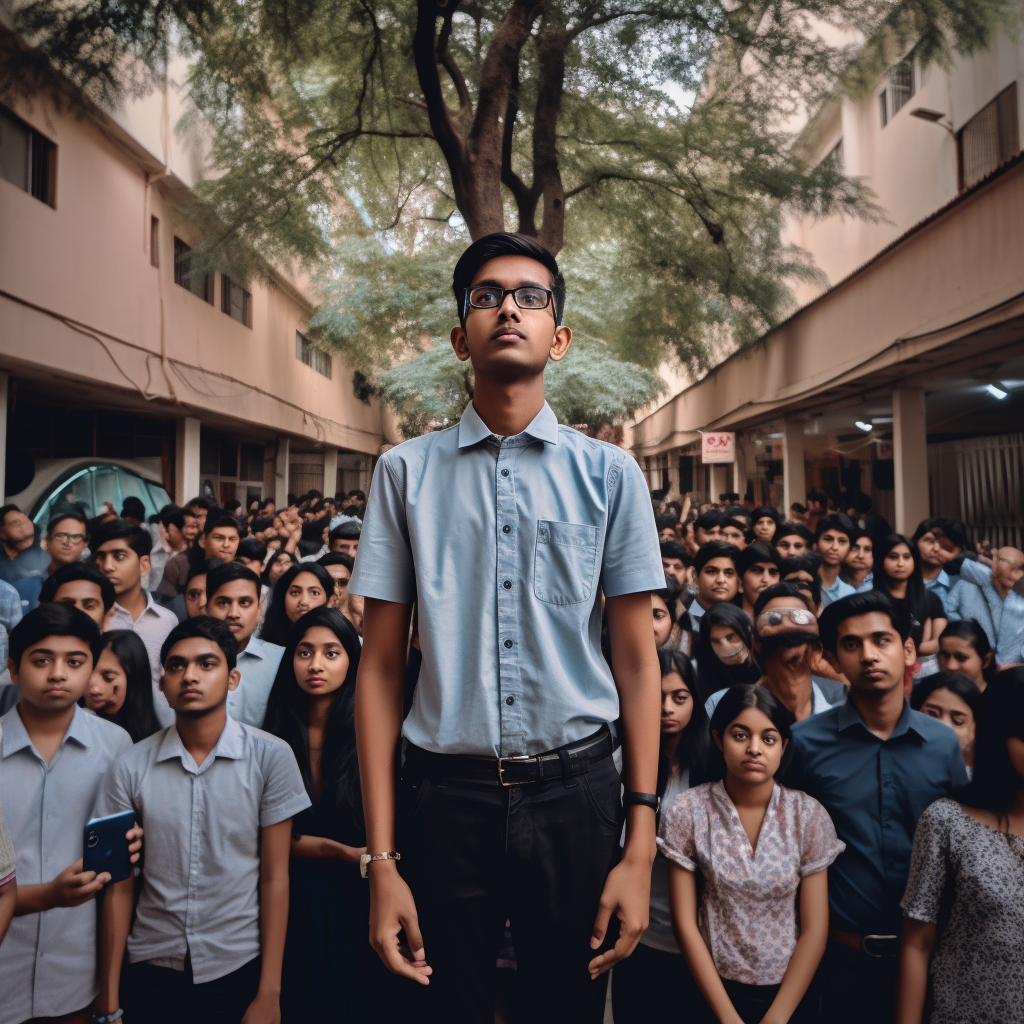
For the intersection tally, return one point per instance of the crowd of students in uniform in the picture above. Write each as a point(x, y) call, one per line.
point(841, 833)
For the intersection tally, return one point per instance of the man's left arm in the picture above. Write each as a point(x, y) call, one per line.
point(638, 680)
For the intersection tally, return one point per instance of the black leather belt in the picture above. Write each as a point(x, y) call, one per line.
point(564, 763)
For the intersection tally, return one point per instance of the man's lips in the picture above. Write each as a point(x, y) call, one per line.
point(507, 333)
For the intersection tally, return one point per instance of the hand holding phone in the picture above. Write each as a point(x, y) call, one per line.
point(75, 886)
point(107, 846)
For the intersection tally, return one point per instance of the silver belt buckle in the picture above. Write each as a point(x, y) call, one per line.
point(518, 758)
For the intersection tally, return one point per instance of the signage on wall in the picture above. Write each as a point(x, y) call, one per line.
point(717, 446)
point(883, 450)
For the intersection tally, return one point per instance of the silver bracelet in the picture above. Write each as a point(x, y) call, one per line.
point(107, 1018)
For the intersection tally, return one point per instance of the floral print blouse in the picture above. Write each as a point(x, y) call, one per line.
point(748, 914)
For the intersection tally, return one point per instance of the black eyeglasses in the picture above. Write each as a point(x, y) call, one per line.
point(486, 296)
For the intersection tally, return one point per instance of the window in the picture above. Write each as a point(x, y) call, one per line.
point(898, 91)
point(312, 356)
point(235, 301)
point(989, 138)
point(198, 284)
point(154, 242)
point(27, 159)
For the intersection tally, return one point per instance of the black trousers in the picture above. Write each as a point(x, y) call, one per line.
point(160, 995)
point(858, 988)
point(476, 854)
point(653, 986)
point(753, 1001)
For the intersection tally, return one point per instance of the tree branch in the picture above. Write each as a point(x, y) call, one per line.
point(425, 56)
point(552, 44)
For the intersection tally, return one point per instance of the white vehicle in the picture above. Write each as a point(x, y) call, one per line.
point(60, 485)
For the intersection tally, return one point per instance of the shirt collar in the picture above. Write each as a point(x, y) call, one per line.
point(849, 717)
point(228, 745)
point(473, 430)
point(259, 648)
point(120, 609)
point(15, 735)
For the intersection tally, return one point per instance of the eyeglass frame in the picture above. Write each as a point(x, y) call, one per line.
point(795, 615)
point(69, 538)
point(467, 305)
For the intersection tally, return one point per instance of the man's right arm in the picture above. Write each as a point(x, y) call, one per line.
point(379, 694)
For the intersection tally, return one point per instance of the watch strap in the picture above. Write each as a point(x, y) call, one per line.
point(367, 859)
point(651, 800)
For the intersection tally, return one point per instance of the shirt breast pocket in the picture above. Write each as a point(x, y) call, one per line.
point(565, 563)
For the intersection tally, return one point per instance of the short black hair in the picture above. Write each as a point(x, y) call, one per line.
point(232, 506)
point(779, 590)
point(53, 620)
point(172, 515)
point(504, 243)
point(202, 568)
point(715, 549)
point(260, 523)
point(708, 520)
point(793, 529)
point(337, 558)
point(954, 530)
point(755, 554)
point(132, 506)
point(207, 628)
point(86, 571)
point(253, 549)
point(345, 531)
point(5, 510)
point(201, 502)
point(673, 549)
point(229, 572)
point(861, 604)
point(766, 512)
point(138, 538)
point(837, 522)
point(217, 518)
point(79, 517)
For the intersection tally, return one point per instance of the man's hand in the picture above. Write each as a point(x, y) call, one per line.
point(73, 886)
point(627, 894)
point(134, 837)
point(264, 1009)
point(392, 910)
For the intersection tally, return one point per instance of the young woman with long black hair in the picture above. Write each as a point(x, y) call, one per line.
point(754, 931)
point(654, 983)
point(960, 959)
point(964, 648)
point(724, 650)
point(953, 699)
point(121, 685)
point(300, 589)
point(329, 967)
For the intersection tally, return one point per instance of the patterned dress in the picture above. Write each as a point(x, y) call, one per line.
point(968, 879)
point(748, 911)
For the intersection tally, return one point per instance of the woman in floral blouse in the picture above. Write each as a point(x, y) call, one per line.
point(756, 847)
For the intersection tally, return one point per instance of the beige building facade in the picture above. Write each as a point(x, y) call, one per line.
point(903, 379)
point(110, 348)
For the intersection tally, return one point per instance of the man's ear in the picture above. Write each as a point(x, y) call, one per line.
point(458, 337)
point(560, 344)
point(145, 566)
point(13, 669)
point(909, 652)
point(234, 678)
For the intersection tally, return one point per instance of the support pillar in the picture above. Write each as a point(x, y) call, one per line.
point(794, 474)
point(186, 460)
point(910, 458)
point(281, 473)
point(330, 471)
point(4, 382)
point(720, 475)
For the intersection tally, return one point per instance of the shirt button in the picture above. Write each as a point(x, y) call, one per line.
point(504, 472)
point(508, 643)
point(506, 528)
point(507, 584)
point(510, 701)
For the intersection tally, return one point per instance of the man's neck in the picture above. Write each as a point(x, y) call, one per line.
point(243, 642)
point(199, 733)
point(793, 686)
point(1001, 589)
point(508, 407)
point(46, 729)
point(880, 712)
point(53, 567)
point(133, 602)
point(855, 577)
point(930, 572)
point(13, 550)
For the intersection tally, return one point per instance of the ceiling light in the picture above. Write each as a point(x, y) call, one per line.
point(864, 426)
point(995, 392)
point(773, 437)
point(876, 420)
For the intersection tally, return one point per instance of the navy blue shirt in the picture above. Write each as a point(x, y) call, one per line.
point(874, 790)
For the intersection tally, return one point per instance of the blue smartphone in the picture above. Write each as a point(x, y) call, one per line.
point(106, 845)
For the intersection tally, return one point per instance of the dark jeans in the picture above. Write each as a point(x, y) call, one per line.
point(858, 988)
point(654, 987)
point(752, 1002)
point(160, 995)
point(476, 854)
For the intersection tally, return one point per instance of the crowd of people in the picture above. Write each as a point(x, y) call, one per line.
point(463, 711)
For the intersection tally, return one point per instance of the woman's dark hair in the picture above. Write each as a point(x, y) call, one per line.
point(731, 706)
point(765, 512)
point(695, 743)
point(275, 557)
point(970, 630)
point(136, 715)
point(957, 684)
point(996, 783)
point(712, 674)
point(288, 717)
point(276, 625)
point(505, 243)
point(917, 594)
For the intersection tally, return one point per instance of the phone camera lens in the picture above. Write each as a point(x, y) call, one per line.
point(93, 840)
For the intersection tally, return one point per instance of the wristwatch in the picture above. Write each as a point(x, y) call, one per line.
point(644, 799)
point(367, 859)
point(107, 1018)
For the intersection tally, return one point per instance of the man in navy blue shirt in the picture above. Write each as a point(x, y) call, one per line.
point(506, 530)
point(875, 765)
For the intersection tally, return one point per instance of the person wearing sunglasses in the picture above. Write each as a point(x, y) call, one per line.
point(786, 646)
point(340, 568)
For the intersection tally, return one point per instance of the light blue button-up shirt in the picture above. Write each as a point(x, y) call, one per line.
point(838, 590)
point(506, 544)
point(258, 664)
point(975, 597)
point(48, 964)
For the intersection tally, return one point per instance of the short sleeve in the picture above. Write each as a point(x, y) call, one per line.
point(819, 843)
point(929, 864)
point(632, 557)
point(115, 793)
point(284, 794)
point(7, 864)
point(936, 610)
point(677, 832)
point(384, 565)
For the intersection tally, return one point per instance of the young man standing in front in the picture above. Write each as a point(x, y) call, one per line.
point(505, 529)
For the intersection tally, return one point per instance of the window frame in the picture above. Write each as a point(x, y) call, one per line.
point(183, 272)
point(40, 162)
point(315, 358)
point(227, 290)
